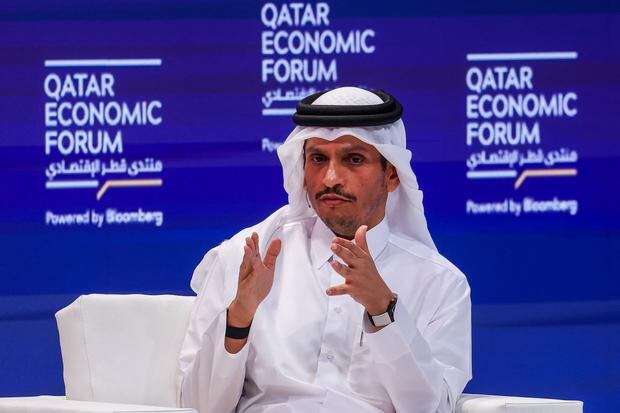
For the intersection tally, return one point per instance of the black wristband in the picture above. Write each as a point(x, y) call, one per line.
point(238, 333)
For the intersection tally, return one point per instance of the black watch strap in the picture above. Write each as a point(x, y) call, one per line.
point(238, 333)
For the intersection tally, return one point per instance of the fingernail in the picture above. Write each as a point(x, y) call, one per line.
point(334, 247)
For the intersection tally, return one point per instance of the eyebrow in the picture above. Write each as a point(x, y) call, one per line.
point(354, 148)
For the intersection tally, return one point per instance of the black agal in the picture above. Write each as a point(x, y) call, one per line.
point(333, 116)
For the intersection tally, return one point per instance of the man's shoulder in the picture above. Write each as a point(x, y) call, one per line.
point(417, 251)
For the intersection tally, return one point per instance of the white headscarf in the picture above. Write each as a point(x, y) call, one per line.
point(404, 212)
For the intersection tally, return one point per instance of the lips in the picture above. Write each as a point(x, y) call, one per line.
point(333, 200)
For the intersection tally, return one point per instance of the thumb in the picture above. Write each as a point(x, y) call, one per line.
point(272, 253)
point(360, 238)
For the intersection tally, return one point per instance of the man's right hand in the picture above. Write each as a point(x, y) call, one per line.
point(255, 281)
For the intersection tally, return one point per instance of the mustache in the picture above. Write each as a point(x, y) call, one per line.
point(336, 190)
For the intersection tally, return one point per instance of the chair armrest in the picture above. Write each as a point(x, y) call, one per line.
point(480, 403)
point(467, 403)
point(59, 404)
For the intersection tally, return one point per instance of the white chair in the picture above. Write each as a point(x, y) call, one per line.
point(120, 354)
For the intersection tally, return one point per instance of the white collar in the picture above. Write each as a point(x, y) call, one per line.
point(321, 240)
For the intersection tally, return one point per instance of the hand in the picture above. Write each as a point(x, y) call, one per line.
point(255, 281)
point(362, 280)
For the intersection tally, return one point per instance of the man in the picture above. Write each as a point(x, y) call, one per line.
point(339, 301)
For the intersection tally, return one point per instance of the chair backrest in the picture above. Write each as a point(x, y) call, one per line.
point(123, 348)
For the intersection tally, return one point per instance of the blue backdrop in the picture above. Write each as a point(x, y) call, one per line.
point(135, 137)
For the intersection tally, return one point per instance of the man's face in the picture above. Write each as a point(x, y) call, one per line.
point(347, 184)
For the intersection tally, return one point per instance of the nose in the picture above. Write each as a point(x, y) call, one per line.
point(333, 175)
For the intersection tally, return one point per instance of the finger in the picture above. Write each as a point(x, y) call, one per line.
point(246, 262)
point(351, 246)
point(360, 238)
point(341, 269)
point(344, 253)
point(255, 240)
point(338, 290)
point(253, 258)
point(272, 253)
point(250, 244)
point(256, 259)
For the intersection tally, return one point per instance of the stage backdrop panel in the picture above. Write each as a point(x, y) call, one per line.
point(135, 138)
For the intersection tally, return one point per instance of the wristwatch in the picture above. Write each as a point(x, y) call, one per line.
point(386, 318)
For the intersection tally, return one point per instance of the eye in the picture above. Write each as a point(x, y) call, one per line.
point(317, 158)
point(356, 159)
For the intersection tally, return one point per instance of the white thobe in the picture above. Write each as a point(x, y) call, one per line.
point(309, 352)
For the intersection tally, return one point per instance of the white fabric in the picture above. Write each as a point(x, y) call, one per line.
point(348, 96)
point(303, 352)
point(113, 352)
point(476, 403)
point(58, 404)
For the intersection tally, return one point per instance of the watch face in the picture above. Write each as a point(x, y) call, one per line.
point(391, 307)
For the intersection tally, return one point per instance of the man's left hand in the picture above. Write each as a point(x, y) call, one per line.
point(362, 280)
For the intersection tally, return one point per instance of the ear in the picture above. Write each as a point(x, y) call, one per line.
point(392, 179)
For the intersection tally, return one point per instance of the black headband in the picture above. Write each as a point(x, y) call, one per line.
point(308, 114)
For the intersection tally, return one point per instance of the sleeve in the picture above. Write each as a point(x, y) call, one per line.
point(426, 371)
point(210, 378)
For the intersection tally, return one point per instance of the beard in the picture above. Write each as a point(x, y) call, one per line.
point(343, 227)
